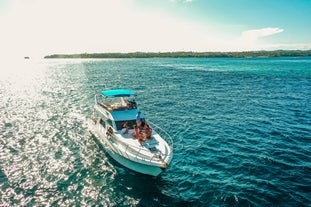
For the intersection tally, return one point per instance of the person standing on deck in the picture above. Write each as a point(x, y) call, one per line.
point(138, 119)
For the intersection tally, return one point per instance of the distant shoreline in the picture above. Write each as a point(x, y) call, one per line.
point(246, 54)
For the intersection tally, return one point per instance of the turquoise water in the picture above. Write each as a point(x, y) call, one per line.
point(241, 131)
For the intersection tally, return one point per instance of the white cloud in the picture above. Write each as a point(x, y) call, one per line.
point(249, 38)
point(257, 33)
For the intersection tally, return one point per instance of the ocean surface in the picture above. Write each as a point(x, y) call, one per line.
point(241, 131)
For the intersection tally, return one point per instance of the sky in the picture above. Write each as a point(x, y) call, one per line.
point(44, 27)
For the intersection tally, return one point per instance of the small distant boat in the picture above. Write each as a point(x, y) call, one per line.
point(26, 57)
point(112, 109)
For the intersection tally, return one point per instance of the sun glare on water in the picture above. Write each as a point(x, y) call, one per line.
point(21, 77)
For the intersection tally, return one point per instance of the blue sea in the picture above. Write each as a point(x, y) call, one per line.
point(241, 130)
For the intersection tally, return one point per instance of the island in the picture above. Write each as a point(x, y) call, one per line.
point(245, 54)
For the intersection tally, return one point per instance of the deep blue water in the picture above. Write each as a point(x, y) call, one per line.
point(241, 131)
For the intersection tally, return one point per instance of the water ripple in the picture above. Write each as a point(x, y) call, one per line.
point(241, 130)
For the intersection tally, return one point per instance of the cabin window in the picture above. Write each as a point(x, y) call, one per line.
point(102, 123)
point(109, 122)
point(130, 123)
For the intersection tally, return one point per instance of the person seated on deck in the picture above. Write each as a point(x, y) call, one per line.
point(133, 104)
point(142, 124)
point(135, 133)
point(148, 131)
point(141, 137)
point(125, 129)
point(146, 135)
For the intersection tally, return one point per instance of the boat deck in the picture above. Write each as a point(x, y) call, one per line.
point(133, 141)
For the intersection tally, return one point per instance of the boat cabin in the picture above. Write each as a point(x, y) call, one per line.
point(115, 107)
point(114, 100)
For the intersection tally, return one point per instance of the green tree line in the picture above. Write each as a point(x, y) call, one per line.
point(275, 53)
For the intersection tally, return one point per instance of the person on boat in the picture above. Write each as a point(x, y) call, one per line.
point(141, 137)
point(131, 104)
point(125, 128)
point(148, 131)
point(142, 124)
point(109, 131)
point(135, 133)
point(138, 119)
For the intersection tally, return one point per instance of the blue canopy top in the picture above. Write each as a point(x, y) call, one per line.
point(118, 92)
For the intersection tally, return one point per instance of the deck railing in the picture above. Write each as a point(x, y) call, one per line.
point(163, 134)
point(134, 151)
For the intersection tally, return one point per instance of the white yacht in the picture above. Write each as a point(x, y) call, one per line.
point(147, 154)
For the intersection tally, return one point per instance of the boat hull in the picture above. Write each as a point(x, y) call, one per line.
point(135, 166)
